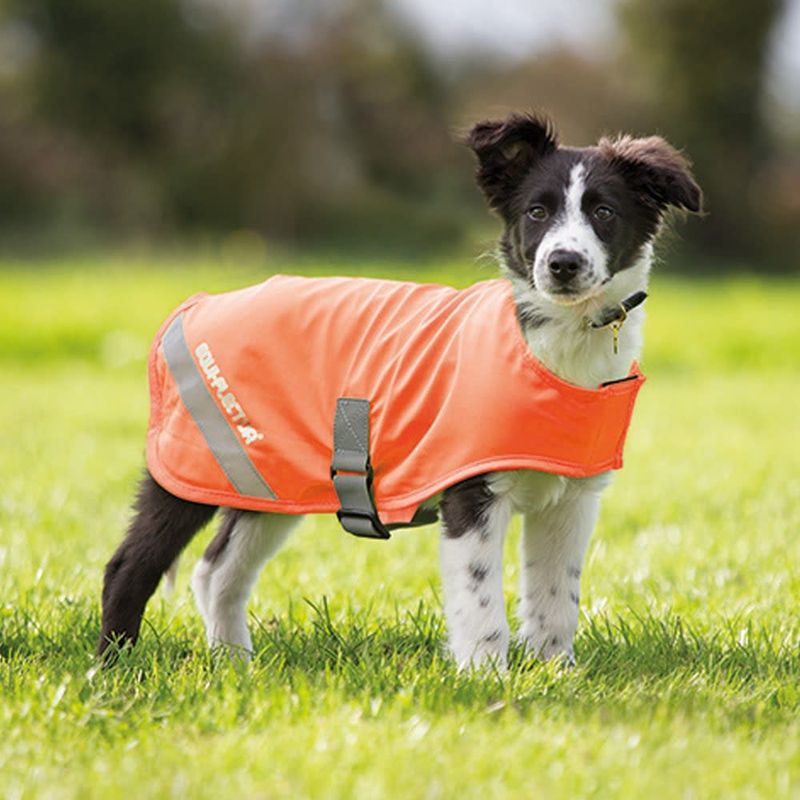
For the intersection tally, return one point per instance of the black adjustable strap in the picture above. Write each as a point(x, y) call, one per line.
point(619, 312)
point(351, 470)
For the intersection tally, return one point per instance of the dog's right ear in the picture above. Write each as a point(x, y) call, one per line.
point(506, 150)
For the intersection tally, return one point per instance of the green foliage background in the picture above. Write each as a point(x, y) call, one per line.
point(336, 126)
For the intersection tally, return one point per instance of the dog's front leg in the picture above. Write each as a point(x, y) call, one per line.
point(553, 546)
point(473, 531)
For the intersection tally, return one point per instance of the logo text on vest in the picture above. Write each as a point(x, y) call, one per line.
point(229, 402)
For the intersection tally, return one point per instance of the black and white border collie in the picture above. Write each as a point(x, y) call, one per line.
point(579, 230)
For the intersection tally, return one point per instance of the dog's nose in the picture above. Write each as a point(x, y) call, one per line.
point(564, 264)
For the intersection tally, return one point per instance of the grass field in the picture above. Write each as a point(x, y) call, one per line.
point(688, 649)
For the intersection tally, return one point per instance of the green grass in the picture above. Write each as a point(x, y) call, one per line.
point(688, 676)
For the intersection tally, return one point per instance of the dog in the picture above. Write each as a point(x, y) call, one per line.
point(576, 249)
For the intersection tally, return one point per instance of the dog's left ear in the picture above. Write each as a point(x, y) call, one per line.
point(657, 171)
point(506, 150)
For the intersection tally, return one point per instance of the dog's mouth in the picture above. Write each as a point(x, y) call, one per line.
point(567, 296)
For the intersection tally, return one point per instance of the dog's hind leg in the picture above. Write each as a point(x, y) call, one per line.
point(225, 575)
point(161, 527)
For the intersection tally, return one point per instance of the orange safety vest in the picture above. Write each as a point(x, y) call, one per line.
point(245, 387)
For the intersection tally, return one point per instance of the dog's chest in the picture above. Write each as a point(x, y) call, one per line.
point(529, 491)
point(586, 357)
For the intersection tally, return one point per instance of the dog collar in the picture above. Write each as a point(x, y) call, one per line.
point(615, 316)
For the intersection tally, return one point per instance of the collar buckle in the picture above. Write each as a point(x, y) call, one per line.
point(615, 316)
point(616, 327)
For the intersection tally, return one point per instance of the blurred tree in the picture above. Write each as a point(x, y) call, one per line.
point(332, 124)
point(95, 136)
point(702, 64)
point(171, 115)
point(103, 66)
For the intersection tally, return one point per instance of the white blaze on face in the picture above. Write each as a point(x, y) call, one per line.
point(572, 231)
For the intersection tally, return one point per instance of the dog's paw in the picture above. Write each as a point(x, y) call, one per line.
point(547, 646)
point(489, 651)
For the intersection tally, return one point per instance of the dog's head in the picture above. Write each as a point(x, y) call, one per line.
point(576, 217)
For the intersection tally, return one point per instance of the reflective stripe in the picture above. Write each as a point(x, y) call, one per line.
point(351, 470)
point(223, 443)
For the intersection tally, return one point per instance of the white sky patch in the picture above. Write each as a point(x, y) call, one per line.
point(783, 67)
point(510, 30)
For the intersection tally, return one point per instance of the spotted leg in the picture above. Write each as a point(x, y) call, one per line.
point(473, 531)
point(553, 546)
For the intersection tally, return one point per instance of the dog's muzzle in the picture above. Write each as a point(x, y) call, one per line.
point(564, 265)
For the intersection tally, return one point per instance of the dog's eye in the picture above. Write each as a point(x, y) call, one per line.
point(538, 213)
point(603, 213)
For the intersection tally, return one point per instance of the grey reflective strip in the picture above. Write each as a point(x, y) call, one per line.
point(225, 446)
point(351, 470)
point(351, 435)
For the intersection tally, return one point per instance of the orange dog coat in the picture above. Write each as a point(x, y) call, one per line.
point(244, 390)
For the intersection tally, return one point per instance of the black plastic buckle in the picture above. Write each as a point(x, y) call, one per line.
point(376, 530)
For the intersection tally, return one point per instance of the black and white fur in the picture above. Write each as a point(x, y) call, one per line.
point(579, 229)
